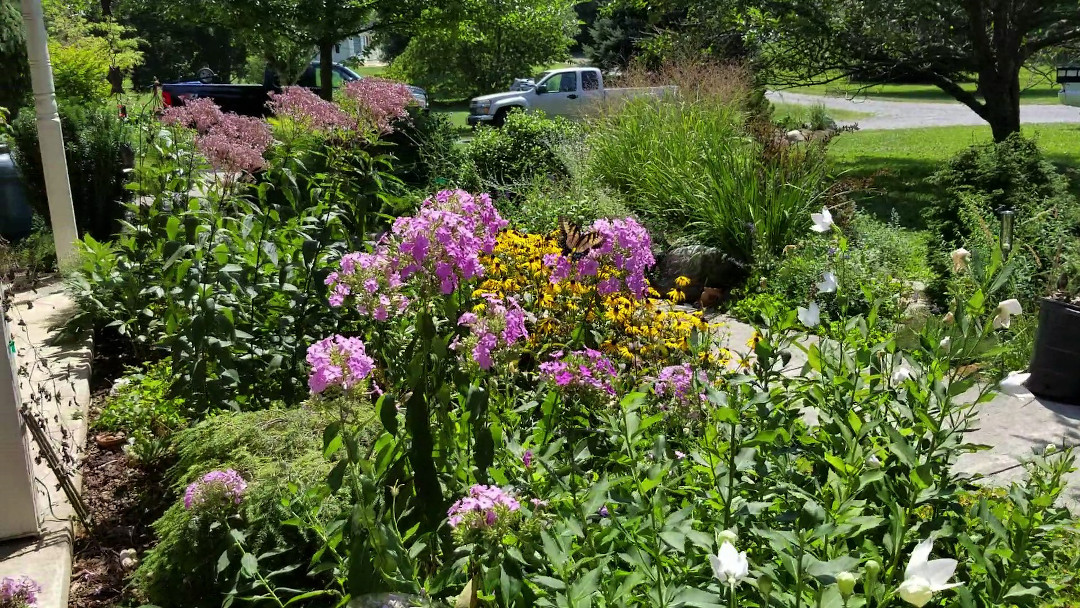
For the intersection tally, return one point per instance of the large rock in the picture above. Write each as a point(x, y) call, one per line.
point(704, 266)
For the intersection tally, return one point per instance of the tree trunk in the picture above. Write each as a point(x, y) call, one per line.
point(1001, 92)
point(326, 69)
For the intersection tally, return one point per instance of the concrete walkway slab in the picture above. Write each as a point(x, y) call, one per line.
point(1016, 429)
point(55, 379)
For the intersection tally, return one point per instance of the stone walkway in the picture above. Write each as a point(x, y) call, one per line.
point(57, 379)
point(1015, 429)
point(909, 115)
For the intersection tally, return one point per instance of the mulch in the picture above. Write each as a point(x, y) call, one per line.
point(123, 499)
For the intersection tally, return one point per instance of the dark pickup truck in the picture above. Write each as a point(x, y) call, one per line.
point(250, 99)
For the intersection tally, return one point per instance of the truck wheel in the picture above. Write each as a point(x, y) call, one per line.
point(500, 117)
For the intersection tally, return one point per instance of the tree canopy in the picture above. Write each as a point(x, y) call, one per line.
point(479, 46)
point(941, 42)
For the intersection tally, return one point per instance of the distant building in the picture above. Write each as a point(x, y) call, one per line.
point(351, 47)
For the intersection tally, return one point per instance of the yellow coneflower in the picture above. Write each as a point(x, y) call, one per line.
point(682, 281)
point(676, 296)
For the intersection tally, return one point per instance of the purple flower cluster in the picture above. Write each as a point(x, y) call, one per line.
point(232, 143)
point(372, 282)
point(338, 361)
point(497, 328)
point(482, 508)
point(377, 101)
point(446, 238)
point(586, 370)
point(676, 382)
point(439, 247)
point(215, 488)
point(18, 592)
point(309, 111)
point(626, 248)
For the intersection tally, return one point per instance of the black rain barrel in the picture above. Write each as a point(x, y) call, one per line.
point(15, 213)
point(1055, 365)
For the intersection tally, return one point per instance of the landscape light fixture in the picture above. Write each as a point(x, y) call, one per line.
point(1008, 218)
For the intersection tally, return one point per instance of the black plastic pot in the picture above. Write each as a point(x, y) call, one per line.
point(1055, 365)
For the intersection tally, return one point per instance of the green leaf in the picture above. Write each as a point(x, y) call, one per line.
point(249, 565)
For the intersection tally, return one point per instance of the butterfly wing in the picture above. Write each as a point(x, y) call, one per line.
point(575, 242)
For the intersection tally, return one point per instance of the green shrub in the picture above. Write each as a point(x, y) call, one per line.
point(15, 75)
point(97, 147)
point(279, 453)
point(983, 180)
point(81, 70)
point(578, 199)
point(426, 154)
point(526, 147)
point(1012, 173)
point(145, 408)
point(29, 257)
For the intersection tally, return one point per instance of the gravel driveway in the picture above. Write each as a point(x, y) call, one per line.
point(908, 115)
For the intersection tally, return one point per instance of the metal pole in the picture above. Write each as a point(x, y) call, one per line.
point(50, 135)
point(18, 511)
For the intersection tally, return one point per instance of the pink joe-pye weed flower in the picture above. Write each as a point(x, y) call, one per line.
point(377, 102)
point(309, 111)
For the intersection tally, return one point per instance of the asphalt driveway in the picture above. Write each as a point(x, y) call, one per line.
point(909, 115)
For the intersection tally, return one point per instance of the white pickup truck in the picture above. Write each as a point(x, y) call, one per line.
point(1069, 79)
point(567, 92)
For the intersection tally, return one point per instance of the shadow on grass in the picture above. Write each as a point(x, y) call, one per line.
point(900, 185)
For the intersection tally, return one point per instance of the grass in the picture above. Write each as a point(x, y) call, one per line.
point(1037, 90)
point(801, 113)
point(370, 70)
point(902, 159)
point(457, 111)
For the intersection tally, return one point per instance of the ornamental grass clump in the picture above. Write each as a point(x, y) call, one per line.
point(18, 592)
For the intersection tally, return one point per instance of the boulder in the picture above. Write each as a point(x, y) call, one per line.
point(795, 136)
point(704, 266)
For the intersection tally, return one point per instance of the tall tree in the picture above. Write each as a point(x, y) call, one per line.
point(943, 42)
point(465, 47)
point(277, 26)
point(15, 74)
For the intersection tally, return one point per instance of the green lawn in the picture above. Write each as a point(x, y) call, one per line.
point(457, 111)
point(800, 113)
point(902, 159)
point(370, 70)
point(1037, 90)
